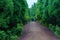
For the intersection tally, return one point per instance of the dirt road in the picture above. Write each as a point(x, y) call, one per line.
point(34, 31)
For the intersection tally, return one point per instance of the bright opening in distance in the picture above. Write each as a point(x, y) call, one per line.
point(31, 2)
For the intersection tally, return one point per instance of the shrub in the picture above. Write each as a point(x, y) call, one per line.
point(57, 32)
point(52, 27)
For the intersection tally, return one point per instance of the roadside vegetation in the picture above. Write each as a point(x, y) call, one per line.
point(47, 12)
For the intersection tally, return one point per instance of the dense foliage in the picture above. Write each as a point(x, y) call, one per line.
point(12, 18)
point(32, 12)
point(15, 13)
point(48, 13)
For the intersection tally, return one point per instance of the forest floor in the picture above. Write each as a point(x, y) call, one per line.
point(35, 31)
